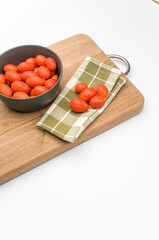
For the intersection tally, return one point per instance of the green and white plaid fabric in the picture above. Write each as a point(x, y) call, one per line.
point(60, 120)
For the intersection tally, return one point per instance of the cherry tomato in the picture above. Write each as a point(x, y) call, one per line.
point(80, 87)
point(35, 81)
point(8, 83)
point(32, 96)
point(40, 60)
point(78, 105)
point(27, 74)
point(10, 67)
point(50, 83)
point(2, 78)
point(31, 60)
point(97, 101)
point(51, 64)
point(32, 93)
point(87, 94)
point(5, 90)
point(44, 72)
point(25, 66)
point(102, 90)
point(20, 95)
point(12, 76)
point(52, 73)
point(55, 77)
point(35, 69)
point(38, 90)
point(19, 86)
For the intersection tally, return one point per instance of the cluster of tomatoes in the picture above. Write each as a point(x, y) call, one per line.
point(30, 78)
point(95, 97)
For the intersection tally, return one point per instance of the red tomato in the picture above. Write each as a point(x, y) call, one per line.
point(35, 81)
point(80, 87)
point(27, 74)
point(97, 101)
point(52, 73)
point(32, 93)
point(51, 64)
point(35, 69)
point(102, 90)
point(19, 86)
point(2, 78)
point(40, 60)
point(25, 66)
point(44, 72)
point(32, 96)
point(10, 67)
point(50, 83)
point(87, 94)
point(38, 90)
point(5, 90)
point(20, 95)
point(8, 83)
point(55, 77)
point(78, 105)
point(31, 60)
point(12, 76)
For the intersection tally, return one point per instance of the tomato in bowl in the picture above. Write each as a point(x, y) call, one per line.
point(46, 93)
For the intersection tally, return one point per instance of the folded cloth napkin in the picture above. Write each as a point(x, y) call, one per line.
point(60, 120)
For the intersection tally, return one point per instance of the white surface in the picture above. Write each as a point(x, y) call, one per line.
point(108, 187)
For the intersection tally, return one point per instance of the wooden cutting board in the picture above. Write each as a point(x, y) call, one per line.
point(24, 146)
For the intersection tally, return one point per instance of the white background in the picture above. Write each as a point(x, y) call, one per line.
point(92, 191)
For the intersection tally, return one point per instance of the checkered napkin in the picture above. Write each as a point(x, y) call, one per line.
point(60, 120)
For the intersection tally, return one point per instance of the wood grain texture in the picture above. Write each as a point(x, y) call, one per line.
point(156, 1)
point(24, 146)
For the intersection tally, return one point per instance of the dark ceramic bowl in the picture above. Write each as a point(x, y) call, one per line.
point(20, 54)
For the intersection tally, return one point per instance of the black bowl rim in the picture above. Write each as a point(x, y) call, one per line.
point(30, 98)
